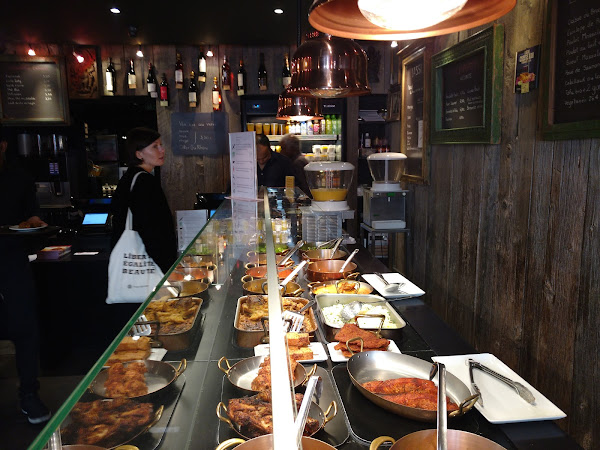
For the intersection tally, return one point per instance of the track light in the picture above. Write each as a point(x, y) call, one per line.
point(31, 51)
point(78, 57)
point(209, 53)
point(140, 53)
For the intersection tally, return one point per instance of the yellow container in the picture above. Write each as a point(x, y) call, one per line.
point(250, 126)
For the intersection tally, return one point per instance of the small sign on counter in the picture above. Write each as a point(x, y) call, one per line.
point(242, 157)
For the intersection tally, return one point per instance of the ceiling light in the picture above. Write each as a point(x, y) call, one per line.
point(115, 10)
point(407, 14)
point(78, 57)
point(394, 44)
point(294, 107)
point(139, 53)
point(209, 53)
point(31, 51)
point(278, 11)
point(343, 18)
point(327, 66)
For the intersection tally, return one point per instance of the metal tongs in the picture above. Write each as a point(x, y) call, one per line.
point(523, 392)
point(314, 386)
point(442, 412)
point(290, 253)
point(329, 244)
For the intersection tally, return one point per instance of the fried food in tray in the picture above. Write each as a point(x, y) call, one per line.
point(411, 392)
point(107, 423)
point(263, 378)
point(370, 341)
point(253, 308)
point(126, 381)
point(254, 415)
point(130, 349)
point(298, 346)
point(175, 315)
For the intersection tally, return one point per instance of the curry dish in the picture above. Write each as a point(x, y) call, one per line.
point(346, 287)
point(175, 316)
point(253, 308)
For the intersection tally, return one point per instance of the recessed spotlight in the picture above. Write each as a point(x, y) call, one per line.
point(115, 10)
point(394, 44)
point(278, 11)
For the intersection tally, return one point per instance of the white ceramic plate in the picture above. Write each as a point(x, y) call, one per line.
point(410, 289)
point(337, 356)
point(16, 228)
point(501, 403)
point(157, 354)
point(317, 348)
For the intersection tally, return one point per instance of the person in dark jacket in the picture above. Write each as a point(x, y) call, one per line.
point(272, 167)
point(290, 147)
point(152, 217)
point(18, 313)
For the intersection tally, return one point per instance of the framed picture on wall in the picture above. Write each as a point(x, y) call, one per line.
point(466, 82)
point(394, 101)
point(414, 135)
point(82, 74)
point(571, 73)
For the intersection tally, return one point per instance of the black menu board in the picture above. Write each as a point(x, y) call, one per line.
point(413, 94)
point(199, 133)
point(577, 61)
point(463, 92)
point(32, 90)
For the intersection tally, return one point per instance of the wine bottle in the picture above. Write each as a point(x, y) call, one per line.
point(151, 82)
point(193, 91)
point(216, 95)
point(110, 77)
point(262, 74)
point(201, 68)
point(226, 80)
point(241, 79)
point(164, 91)
point(179, 72)
point(286, 75)
point(131, 80)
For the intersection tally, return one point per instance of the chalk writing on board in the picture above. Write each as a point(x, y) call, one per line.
point(198, 133)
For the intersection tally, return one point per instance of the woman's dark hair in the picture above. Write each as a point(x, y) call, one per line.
point(138, 139)
point(261, 139)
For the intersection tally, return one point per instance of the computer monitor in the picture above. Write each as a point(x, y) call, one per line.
point(95, 219)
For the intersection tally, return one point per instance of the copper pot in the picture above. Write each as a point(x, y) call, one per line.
point(202, 272)
point(266, 443)
point(325, 253)
point(255, 286)
point(427, 440)
point(329, 269)
point(261, 272)
point(260, 259)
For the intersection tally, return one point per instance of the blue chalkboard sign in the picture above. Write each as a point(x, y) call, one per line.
point(199, 133)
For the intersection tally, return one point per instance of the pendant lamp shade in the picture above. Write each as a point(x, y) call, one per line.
point(295, 107)
point(327, 66)
point(344, 18)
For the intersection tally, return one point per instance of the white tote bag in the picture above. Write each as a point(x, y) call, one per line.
point(132, 273)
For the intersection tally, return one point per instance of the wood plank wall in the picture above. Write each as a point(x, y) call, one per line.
point(506, 244)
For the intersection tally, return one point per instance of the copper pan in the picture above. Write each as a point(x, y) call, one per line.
point(325, 253)
point(329, 269)
point(260, 259)
point(261, 272)
point(266, 443)
point(255, 286)
point(427, 440)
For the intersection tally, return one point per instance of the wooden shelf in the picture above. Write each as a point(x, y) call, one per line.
point(307, 137)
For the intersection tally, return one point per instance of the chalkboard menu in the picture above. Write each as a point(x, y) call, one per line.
point(577, 75)
point(413, 94)
point(32, 90)
point(463, 85)
point(199, 133)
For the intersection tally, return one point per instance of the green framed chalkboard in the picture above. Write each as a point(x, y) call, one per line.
point(33, 90)
point(466, 84)
point(571, 74)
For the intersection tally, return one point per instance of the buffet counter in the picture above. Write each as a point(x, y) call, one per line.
point(181, 414)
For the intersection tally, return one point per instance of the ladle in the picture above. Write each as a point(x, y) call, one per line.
point(291, 276)
point(348, 261)
point(391, 288)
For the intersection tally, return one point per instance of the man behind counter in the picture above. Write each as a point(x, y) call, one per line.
point(272, 166)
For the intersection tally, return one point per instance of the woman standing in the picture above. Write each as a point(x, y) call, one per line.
point(152, 217)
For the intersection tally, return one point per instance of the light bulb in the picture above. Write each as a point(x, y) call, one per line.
point(407, 14)
point(31, 51)
point(278, 11)
point(139, 53)
point(394, 44)
point(209, 53)
point(115, 10)
point(78, 57)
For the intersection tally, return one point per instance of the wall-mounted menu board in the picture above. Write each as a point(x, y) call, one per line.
point(199, 133)
point(32, 90)
point(466, 82)
point(416, 80)
point(571, 75)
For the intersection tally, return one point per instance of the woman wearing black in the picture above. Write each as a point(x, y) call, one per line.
point(152, 217)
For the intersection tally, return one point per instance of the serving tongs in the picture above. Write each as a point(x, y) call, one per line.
point(523, 392)
point(290, 253)
point(442, 411)
point(330, 244)
point(314, 386)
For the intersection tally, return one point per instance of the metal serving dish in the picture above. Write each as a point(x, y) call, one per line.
point(202, 272)
point(176, 289)
point(260, 259)
point(325, 300)
point(375, 365)
point(427, 439)
point(159, 376)
point(334, 287)
point(261, 271)
point(259, 334)
point(197, 260)
point(266, 443)
point(242, 373)
point(329, 269)
point(255, 287)
point(315, 412)
point(321, 254)
point(181, 339)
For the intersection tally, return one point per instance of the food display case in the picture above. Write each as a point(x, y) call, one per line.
point(184, 343)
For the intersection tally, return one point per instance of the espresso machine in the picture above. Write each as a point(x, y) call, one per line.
point(51, 171)
point(385, 201)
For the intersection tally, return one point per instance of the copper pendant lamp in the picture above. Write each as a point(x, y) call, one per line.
point(327, 66)
point(344, 18)
point(300, 108)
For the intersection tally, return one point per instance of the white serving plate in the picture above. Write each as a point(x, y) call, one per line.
point(501, 403)
point(319, 354)
point(411, 289)
point(337, 356)
point(16, 228)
